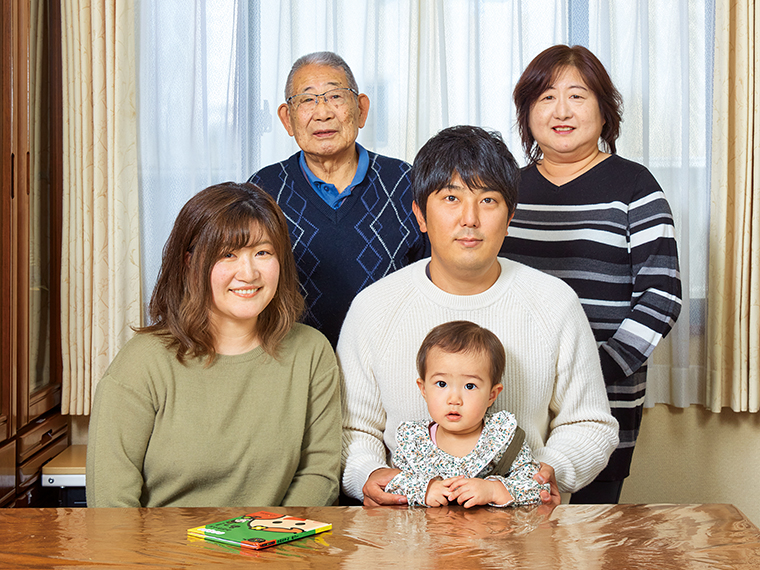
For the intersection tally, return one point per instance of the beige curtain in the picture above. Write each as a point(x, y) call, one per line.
point(100, 272)
point(734, 286)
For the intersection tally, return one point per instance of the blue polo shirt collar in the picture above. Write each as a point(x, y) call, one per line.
point(328, 192)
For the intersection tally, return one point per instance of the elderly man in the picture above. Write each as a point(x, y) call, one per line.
point(348, 209)
point(465, 194)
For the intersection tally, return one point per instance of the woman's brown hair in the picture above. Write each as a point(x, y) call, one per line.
point(217, 220)
point(541, 74)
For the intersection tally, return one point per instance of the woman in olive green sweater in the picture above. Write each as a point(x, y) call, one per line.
point(224, 400)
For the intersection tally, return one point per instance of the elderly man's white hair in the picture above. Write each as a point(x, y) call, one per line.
point(327, 58)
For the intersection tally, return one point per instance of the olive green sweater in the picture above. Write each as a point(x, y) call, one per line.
point(249, 430)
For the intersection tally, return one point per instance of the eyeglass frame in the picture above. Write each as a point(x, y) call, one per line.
point(322, 95)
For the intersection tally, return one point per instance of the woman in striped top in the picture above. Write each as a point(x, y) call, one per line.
point(599, 222)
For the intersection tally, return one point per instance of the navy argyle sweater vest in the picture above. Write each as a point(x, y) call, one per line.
point(340, 252)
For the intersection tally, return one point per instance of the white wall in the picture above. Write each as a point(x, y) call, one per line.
point(693, 455)
point(78, 429)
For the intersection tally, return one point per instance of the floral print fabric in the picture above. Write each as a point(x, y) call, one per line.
point(421, 461)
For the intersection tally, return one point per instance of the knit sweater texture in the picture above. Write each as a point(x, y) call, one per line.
point(248, 430)
point(552, 382)
point(340, 252)
point(609, 235)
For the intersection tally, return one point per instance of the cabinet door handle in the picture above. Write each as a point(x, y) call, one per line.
point(46, 437)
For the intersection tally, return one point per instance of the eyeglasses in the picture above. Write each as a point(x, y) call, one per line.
point(307, 102)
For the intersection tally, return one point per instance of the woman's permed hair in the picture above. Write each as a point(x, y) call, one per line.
point(541, 74)
point(217, 220)
point(464, 337)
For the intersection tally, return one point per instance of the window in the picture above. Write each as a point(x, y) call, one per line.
point(211, 79)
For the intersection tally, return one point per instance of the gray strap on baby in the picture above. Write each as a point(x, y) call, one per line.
point(505, 463)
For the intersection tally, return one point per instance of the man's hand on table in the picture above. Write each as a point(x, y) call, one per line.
point(374, 489)
point(546, 475)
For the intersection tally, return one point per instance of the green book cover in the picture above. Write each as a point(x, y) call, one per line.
point(259, 530)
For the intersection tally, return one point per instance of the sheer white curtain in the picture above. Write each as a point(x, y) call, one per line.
point(660, 57)
point(212, 74)
point(197, 91)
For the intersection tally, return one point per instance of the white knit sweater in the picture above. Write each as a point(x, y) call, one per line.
point(552, 383)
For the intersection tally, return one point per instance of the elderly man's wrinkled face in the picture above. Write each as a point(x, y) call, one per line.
point(329, 129)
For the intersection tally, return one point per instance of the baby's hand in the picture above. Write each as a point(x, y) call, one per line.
point(472, 492)
point(438, 491)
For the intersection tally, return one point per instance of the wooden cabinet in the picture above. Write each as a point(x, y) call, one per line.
point(7, 472)
point(30, 191)
point(7, 195)
point(36, 444)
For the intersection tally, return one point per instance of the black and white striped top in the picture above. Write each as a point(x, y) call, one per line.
point(608, 234)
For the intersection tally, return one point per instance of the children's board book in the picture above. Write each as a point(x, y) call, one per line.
point(259, 530)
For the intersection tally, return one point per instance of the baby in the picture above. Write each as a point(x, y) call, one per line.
point(464, 455)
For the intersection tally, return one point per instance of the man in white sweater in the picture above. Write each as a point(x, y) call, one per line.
point(464, 182)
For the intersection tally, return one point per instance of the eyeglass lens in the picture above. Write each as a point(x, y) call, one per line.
point(308, 101)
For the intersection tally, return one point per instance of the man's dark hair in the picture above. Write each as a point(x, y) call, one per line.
point(479, 157)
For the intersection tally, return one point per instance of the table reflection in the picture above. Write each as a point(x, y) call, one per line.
point(570, 536)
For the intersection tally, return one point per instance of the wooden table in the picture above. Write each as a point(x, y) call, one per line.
point(589, 537)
